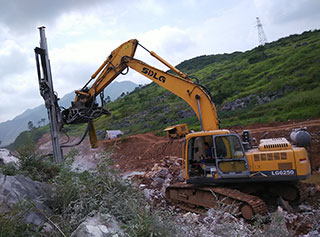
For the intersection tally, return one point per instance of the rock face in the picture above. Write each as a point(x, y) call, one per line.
point(14, 189)
point(100, 225)
point(255, 99)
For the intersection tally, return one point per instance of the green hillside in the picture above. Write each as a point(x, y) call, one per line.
point(278, 82)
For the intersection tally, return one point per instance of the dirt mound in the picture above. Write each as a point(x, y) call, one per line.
point(141, 152)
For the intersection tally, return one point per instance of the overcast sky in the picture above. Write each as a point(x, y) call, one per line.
point(82, 33)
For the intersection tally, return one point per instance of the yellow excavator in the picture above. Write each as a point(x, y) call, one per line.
point(220, 166)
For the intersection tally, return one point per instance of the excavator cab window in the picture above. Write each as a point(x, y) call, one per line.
point(230, 156)
point(228, 147)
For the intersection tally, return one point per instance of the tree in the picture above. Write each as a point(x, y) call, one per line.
point(41, 122)
point(107, 100)
point(123, 94)
point(30, 125)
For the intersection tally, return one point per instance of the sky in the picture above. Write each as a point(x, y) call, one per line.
point(81, 34)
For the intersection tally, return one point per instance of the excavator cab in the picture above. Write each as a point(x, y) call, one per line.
point(215, 157)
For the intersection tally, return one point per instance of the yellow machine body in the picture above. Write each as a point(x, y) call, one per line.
point(279, 157)
point(274, 160)
point(177, 131)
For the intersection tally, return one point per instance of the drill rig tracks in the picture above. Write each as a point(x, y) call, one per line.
point(198, 199)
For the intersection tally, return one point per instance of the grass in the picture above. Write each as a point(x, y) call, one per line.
point(12, 223)
point(80, 195)
point(104, 191)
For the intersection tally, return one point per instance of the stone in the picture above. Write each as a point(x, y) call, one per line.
point(6, 158)
point(304, 208)
point(100, 225)
point(148, 193)
point(162, 173)
point(157, 182)
point(18, 188)
point(285, 204)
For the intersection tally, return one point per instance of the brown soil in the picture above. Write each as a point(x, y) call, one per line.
point(141, 152)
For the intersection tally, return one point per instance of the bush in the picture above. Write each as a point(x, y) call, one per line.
point(81, 195)
point(12, 222)
point(9, 169)
point(36, 167)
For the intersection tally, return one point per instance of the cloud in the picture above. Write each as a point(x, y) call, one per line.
point(18, 93)
point(20, 15)
point(13, 60)
point(153, 6)
point(282, 12)
point(170, 42)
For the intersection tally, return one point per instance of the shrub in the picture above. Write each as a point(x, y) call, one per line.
point(12, 222)
point(81, 195)
point(35, 166)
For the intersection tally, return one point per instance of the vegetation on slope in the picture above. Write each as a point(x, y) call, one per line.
point(277, 82)
point(81, 195)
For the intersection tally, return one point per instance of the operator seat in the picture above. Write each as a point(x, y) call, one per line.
point(199, 149)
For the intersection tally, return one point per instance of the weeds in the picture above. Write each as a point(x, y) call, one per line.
point(104, 191)
point(12, 223)
point(9, 169)
point(37, 167)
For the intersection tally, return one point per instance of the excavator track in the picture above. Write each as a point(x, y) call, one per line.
point(198, 199)
point(293, 193)
point(303, 192)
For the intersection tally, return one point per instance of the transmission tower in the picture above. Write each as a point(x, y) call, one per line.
point(261, 34)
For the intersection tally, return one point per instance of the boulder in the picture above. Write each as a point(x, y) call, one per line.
point(17, 189)
point(6, 158)
point(100, 225)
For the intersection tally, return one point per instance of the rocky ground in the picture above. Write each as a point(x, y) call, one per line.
point(154, 162)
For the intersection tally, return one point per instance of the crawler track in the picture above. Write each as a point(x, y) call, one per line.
point(303, 192)
point(198, 199)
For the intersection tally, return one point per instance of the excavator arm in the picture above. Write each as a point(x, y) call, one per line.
point(195, 95)
point(117, 63)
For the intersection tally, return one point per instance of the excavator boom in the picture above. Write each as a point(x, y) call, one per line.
point(121, 59)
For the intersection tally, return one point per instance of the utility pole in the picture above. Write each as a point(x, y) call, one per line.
point(261, 34)
point(47, 92)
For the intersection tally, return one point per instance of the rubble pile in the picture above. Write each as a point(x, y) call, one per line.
point(168, 171)
point(305, 219)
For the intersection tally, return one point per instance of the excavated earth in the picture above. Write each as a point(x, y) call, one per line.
point(154, 162)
